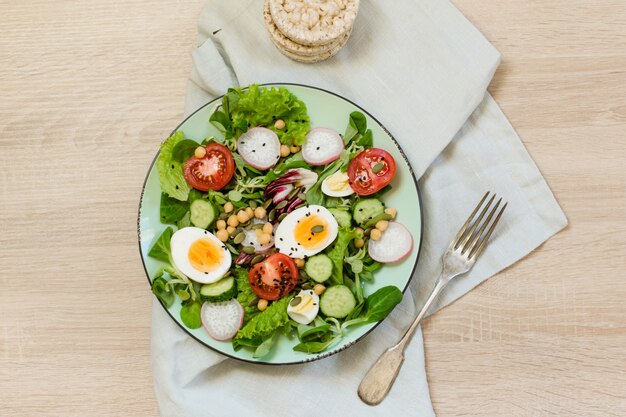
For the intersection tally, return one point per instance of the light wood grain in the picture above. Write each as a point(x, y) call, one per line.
point(88, 89)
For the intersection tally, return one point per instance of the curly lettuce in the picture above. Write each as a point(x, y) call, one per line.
point(260, 106)
point(170, 171)
point(263, 324)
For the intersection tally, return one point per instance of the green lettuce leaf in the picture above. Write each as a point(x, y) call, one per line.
point(261, 106)
point(338, 253)
point(245, 293)
point(170, 171)
point(265, 323)
point(172, 210)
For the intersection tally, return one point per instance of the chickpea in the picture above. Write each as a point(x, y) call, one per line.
point(250, 212)
point(294, 149)
point(259, 212)
point(222, 235)
point(259, 233)
point(359, 231)
point(200, 152)
point(392, 212)
point(221, 224)
point(284, 150)
point(299, 262)
point(265, 239)
point(359, 243)
point(228, 207)
point(262, 304)
point(375, 234)
point(319, 289)
point(242, 216)
point(268, 228)
point(230, 230)
point(233, 221)
point(279, 124)
point(382, 225)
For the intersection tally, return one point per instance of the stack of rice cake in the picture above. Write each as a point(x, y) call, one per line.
point(310, 30)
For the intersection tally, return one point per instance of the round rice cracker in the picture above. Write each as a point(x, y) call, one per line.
point(307, 37)
point(288, 45)
point(312, 59)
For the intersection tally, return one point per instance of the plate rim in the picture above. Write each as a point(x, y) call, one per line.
point(324, 354)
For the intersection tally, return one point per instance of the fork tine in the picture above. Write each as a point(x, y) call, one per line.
point(470, 232)
point(483, 242)
point(472, 243)
point(469, 219)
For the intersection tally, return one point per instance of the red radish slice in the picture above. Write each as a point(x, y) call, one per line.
point(394, 245)
point(259, 147)
point(321, 146)
point(222, 320)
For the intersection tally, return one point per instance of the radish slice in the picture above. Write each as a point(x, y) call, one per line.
point(394, 245)
point(321, 146)
point(259, 147)
point(222, 320)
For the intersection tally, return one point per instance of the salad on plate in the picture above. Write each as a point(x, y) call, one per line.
point(274, 227)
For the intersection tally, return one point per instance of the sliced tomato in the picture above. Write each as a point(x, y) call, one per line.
point(274, 277)
point(211, 172)
point(371, 170)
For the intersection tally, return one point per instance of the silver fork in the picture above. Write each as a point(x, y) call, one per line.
point(459, 258)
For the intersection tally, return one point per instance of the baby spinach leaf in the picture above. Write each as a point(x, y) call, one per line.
point(308, 333)
point(378, 306)
point(315, 347)
point(381, 302)
point(184, 149)
point(265, 347)
point(172, 210)
point(161, 248)
point(190, 314)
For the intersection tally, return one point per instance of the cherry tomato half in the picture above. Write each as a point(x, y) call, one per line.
point(274, 277)
point(211, 172)
point(371, 170)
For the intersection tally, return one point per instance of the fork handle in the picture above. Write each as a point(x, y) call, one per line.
point(378, 381)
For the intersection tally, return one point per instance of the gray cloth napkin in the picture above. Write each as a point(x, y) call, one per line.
point(422, 69)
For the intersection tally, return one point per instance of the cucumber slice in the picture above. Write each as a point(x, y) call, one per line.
point(366, 209)
point(222, 290)
point(342, 216)
point(337, 301)
point(319, 267)
point(202, 213)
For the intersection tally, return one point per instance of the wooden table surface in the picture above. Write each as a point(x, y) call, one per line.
point(88, 89)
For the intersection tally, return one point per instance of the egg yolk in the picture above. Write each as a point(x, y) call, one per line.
point(338, 181)
point(205, 255)
point(306, 236)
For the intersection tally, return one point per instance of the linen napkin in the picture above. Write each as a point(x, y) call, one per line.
point(422, 69)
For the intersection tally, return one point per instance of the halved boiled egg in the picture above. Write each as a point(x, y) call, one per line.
point(306, 231)
point(199, 254)
point(303, 308)
point(337, 185)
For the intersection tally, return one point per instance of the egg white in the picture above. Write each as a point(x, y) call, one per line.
point(340, 193)
point(180, 243)
point(307, 316)
point(284, 238)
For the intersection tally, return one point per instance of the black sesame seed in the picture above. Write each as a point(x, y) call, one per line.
point(177, 187)
point(253, 150)
point(263, 144)
point(318, 148)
